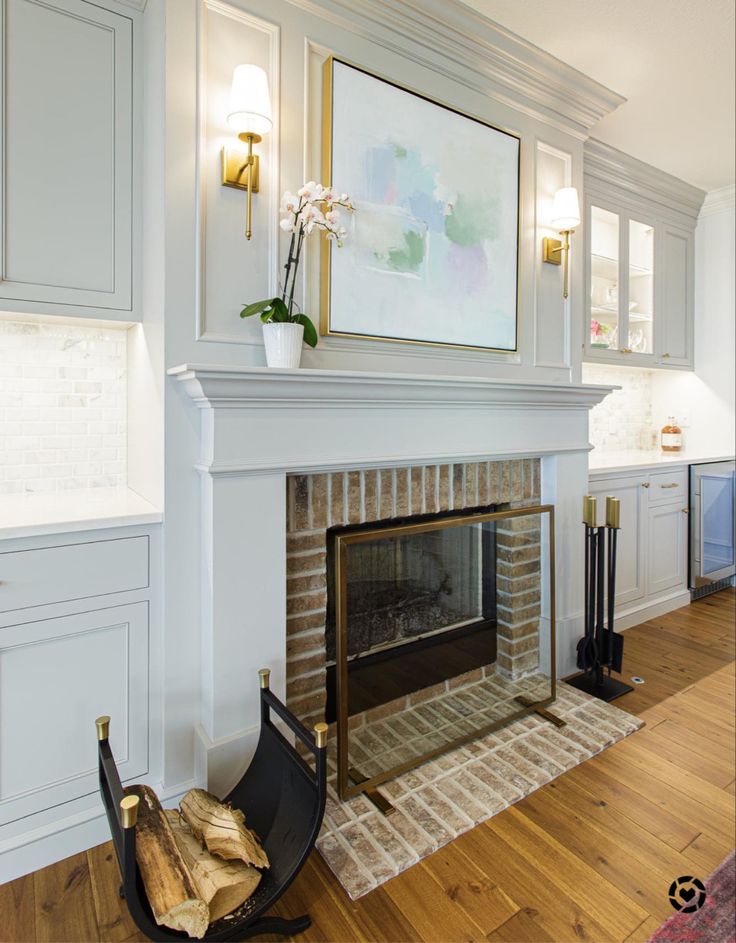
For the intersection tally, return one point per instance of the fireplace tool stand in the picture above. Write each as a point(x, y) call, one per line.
point(600, 651)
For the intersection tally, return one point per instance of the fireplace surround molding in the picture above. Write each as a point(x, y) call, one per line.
point(257, 426)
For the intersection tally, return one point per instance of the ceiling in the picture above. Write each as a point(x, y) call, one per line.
point(673, 60)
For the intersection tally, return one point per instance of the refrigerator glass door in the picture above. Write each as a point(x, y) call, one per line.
point(716, 525)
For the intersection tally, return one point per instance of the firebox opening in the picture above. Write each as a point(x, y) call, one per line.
point(421, 607)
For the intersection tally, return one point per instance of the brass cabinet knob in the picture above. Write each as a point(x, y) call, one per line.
point(625, 350)
point(645, 484)
point(686, 510)
point(664, 356)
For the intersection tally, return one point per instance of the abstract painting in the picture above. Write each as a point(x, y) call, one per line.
point(432, 252)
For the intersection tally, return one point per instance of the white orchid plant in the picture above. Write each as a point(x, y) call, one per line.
point(313, 208)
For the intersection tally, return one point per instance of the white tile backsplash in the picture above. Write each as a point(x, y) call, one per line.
point(63, 395)
point(624, 420)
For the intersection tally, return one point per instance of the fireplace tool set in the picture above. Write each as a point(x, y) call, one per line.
point(600, 650)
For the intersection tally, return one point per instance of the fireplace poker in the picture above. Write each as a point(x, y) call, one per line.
point(587, 647)
point(615, 641)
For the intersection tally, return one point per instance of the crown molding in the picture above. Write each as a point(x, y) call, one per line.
point(450, 38)
point(635, 178)
point(722, 200)
point(139, 5)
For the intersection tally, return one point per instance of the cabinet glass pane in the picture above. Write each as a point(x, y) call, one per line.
point(604, 278)
point(641, 286)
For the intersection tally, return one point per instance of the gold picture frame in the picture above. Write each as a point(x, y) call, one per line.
point(327, 329)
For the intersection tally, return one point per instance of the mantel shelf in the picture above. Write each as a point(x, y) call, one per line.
point(211, 385)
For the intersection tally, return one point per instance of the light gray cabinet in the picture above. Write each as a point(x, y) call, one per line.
point(77, 640)
point(68, 155)
point(651, 575)
point(640, 261)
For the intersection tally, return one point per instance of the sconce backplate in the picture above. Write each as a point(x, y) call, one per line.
point(552, 251)
point(234, 172)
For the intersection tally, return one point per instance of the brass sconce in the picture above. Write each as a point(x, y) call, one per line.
point(565, 217)
point(250, 115)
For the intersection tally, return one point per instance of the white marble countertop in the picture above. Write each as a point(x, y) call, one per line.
point(602, 463)
point(67, 512)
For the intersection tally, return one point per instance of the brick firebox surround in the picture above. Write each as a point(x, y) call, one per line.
point(318, 502)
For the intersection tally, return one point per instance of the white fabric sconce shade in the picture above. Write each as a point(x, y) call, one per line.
point(250, 102)
point(565, 209)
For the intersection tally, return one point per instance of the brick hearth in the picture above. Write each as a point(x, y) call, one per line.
point(318, 502)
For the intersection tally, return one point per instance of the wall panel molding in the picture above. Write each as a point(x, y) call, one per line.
point(207, 167)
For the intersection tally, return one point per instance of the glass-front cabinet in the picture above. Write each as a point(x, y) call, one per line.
point(621, 302)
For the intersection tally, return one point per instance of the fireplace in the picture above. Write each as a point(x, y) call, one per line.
point(419, 605)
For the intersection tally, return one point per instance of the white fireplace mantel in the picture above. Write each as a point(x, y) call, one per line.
point(254, 421)
point(257, 425)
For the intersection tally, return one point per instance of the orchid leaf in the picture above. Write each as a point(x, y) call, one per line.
point(280, 311)
point(256, 308)
point(310, 334)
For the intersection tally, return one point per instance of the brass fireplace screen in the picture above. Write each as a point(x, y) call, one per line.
point(419, 727)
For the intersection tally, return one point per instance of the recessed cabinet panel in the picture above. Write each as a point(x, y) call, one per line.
point(67, 144)
point(667, 544)
point(677, 290)
point(56, 677)
point(630, 575)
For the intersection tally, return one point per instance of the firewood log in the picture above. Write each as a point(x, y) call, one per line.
point(171, 892)
point(222, 885)
point(222, 828)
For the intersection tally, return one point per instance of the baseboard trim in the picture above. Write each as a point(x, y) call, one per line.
point(67, 835)
point(651, 609)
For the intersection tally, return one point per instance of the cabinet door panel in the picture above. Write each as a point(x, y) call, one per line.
point(630, 580)
point(56, 677)
point(67, 139)
point(667, 548)
point(675, 316)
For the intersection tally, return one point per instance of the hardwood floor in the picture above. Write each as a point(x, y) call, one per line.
point(588, 857)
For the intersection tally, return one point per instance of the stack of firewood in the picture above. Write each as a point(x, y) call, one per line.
point(199, 862)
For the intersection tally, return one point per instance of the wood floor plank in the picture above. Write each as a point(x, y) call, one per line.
point(435, 915)
point(629, 752)
point(65, 910)
point(471, 887)
point(17, 910)
point(643, 932)
point(663, 823)
point(113, 919)
point(611, 908)
point(560, 914)
point(632, 868)
point(716, 768)
point(521, 928)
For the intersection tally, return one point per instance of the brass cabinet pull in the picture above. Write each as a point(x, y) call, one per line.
point(625, 350)
point(686, 510)
point(645, 484)
point(665, 355)
point(673, 485)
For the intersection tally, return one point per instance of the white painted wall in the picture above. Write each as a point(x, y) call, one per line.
point(707, 395)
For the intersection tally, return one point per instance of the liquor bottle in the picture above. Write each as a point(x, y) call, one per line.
point(671, 436)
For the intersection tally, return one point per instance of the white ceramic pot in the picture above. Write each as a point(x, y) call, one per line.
point(283, 343)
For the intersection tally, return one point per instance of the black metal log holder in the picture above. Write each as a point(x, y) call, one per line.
point(284, 802)
point(600, 651)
